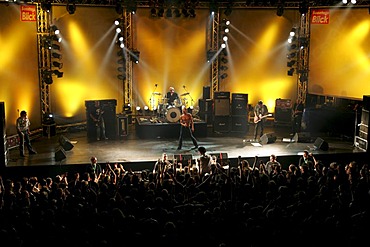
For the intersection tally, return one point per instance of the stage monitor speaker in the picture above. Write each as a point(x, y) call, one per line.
point(304, 137)
point(60, 154)
point(206, 92)
point(183, 158)
point(122, 123)
point(222, 124)
point(239, 104)
point(268, 138)
point(65, 143)
point(222, 107)
point(321, 144)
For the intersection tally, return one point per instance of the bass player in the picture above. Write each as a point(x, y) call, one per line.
point(260, 114)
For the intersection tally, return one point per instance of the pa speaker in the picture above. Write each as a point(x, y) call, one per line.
point(65, 143)
point(206, 92)
point(268, 138)
point(302, 137)
point(321, 144)
point(60, 154)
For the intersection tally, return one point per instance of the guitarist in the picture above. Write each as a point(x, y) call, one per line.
point(96, 115)
point(260, 113)
point(297, 113)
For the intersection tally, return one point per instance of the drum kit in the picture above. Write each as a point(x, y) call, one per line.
point(171, 112)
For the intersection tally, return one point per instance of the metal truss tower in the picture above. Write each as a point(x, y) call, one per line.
point(44, 56)
point(212, 44)
point(303, 56)
point(128, 38)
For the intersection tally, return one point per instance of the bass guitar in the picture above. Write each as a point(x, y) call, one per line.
point(257, 118)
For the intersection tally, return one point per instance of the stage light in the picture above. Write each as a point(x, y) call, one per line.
point(168, 13)
point(160, 12)
point(146, 108)
point(135, 56)
point(46, 6)
point(290, 63)
point(118, 30)
point(211, 55)
point(293, 32)
point(138, 108)
point(55, 29)
point(153, 12)
point(291, 55)
point(224, 60)
point(58, 73)
point(177, 13)
point(290, 72)
point(57, 64)
point(280, 10)
point(71, 8)
point(56, 55)
point(223, 45)
point(225, 38)
point(185, 12)
point(223, 67)
point(117, 21)
point(224, 76)
point(192, 13)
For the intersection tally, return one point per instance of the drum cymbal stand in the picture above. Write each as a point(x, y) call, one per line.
point(187, 93)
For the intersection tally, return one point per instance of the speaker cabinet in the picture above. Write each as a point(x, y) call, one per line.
point(60, 154)
point(65, 143)
point(206, 92)
point(366, 102)
point(122, 124)
point(268, 138)
point(222, 107)
point(221, 95)
point(283, 115)
point(321, 144)
point(205, 105)
point(222, 124)
point(3, 141)
point(239, 104)
point(239, 124)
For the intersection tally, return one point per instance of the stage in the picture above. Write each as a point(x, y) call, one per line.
point(141, 153)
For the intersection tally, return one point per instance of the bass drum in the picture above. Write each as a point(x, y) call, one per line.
point(173, 115)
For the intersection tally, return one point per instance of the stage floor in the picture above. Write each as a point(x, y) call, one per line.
point(133, 151)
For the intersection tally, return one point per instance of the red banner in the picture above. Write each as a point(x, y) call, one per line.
point(28, 13)
point(320, 16)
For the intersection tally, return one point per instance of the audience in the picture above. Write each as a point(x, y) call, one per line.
point(248, 205)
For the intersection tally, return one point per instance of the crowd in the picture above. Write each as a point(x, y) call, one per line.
point(261, 204)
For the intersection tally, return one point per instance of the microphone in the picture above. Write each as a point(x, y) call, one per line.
point(156, 85)
point(183, 86)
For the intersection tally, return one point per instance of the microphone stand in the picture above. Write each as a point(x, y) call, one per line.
point(151, 100)
point(187, 93)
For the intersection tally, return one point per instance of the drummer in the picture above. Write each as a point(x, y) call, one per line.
point(172, 97)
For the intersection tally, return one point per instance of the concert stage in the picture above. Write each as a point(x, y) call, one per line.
point(137, 153)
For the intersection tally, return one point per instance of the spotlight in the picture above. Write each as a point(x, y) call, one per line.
point(118, 30)
point(71, 8)
point(46, 6)
point(293, 31)
point(177, 13)
point(223, 45)
point(146, 108)
point(55, 29)
point(168, 13)
point(138, 108)
point(153, 12)
point(280, 10)
point(56, 55)
point(290, 72)
point(58, 73)
point(57, 65)
point(117, 21)
point(224, 76)
point(160, 12)
point(135, 56)
point(185, 12)
point(192, 13)
point(224, 60)
point(290, 63)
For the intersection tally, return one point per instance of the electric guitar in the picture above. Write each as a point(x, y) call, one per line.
point(257, 118)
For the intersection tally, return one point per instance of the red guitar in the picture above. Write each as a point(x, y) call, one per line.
point(257, 118)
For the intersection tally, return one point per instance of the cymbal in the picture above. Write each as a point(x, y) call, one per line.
point(156, 93)
point(184, 94)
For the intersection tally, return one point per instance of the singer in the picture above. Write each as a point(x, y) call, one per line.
point(171, 96)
